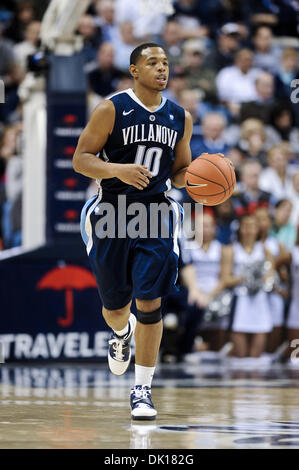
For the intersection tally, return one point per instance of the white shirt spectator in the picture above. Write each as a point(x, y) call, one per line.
point(236, 87)
point(149, 24)
point(272, 183)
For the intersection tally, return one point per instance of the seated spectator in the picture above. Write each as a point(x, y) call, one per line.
point(266, 55)
point(226, 223)
point(148, 22)
point(226, 12)
point(253, 140)
point(177, 83)
point(104, 76)
point(187, 14)
point(243, 76)
point(242, 270)
point(29, 46)
point(105, 19)
point(200, 76)
point(261, 107)
point(11, 74)
point(211, 141)
point(282, 228)
point(250, 196)
point(190, 100)
point(25, 14)
point(282, 125)
point(282, 16)
point(91, 37)
point(13, 182)
point(124, 43)
point(223, 53)
point(277, 177)
point(171, 42)
point(287, 72)
point(200, 275)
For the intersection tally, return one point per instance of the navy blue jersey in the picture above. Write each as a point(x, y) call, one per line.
point(143, 137)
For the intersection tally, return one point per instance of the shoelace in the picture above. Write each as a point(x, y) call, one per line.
point(141, 393)
point(117, 346)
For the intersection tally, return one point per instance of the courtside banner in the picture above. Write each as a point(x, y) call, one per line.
point(50, 307)
point(66, 190)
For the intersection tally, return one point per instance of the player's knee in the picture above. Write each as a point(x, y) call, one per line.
point(149, 318)
point(115, 313)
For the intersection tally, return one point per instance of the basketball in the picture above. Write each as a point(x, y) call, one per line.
point(210, 179)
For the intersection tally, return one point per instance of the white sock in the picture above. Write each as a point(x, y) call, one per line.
point(125, 330)
point(144, 375)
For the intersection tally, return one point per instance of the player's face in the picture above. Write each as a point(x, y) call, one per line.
point(152, 70)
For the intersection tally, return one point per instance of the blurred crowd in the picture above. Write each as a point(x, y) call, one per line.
point(234, 67)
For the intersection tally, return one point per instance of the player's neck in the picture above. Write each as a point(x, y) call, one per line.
point(150, 98)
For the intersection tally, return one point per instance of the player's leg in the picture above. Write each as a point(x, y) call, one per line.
point(148, 335)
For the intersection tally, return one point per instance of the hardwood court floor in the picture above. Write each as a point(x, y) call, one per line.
point(199, 406)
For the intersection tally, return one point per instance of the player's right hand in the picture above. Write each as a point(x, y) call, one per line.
point(135, 175)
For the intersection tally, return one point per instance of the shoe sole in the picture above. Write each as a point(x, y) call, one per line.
point(143, 418)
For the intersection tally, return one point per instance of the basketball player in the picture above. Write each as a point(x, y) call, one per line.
point(135, 143)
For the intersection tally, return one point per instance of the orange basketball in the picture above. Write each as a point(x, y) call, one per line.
point(210, 179)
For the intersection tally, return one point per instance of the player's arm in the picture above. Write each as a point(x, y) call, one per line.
point(92, 141)
point(182, 154)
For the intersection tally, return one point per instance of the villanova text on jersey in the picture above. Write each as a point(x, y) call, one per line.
point(143, 137)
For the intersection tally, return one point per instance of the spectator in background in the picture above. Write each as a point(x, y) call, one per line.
point(124, 42)
point(104, 76)
point(91, 37)
point(236, 84)
point(253, 140)
point(277, 177)
point(281, 15)
point(277, 296)
point(105, 19)
point(287, 72)
point(25, 14)
point(251, 316)
point(250, 196)
point(177, 83)
point(29, 46)
point(171, 42)
point(226, 223)
point(148, 22)
point(293, 196)
point(282, 125)
point(261, 107)
point(190, 100)
point(266, 56)
point(200, 76)
point(187, 13)
point(211, 141)
point(11, 74)
point(282, 228)
point(201, 277)
point(223, 53)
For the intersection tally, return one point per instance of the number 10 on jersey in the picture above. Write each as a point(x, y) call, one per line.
point(150, 158)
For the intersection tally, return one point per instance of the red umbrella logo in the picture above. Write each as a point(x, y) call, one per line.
point(67, 278)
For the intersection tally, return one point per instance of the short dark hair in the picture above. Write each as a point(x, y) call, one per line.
point(136, 53)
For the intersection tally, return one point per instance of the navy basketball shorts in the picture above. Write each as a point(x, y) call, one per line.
point(131, 258)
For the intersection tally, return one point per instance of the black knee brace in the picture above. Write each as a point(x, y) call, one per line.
point(149, 318)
